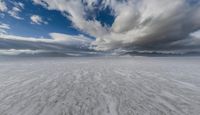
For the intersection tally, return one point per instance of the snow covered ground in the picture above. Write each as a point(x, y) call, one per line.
point(100, 86)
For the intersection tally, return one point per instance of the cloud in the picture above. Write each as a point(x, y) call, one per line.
point(54, 38)
point(3, 28)
point(16, 9)
point(71, 40)
point(3, 6)
point(18, 4)
point(76, 12)
point(15, 13)
point(148, 25)
point(57, 45)
point(36, 19)
point(138, 24)
point(44, 53)
point(196, 34)
point(13, 52)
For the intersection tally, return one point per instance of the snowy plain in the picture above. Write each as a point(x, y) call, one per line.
point(100, 86)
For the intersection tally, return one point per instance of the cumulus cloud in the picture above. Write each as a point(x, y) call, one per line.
point(138, 24)
point(36, 19)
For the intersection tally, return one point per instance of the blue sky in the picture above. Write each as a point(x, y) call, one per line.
point(56, 21)
point(100, 25)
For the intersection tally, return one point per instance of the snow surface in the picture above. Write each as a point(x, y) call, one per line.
point(100, 86)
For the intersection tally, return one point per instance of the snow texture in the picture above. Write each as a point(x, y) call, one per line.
point(100, 86)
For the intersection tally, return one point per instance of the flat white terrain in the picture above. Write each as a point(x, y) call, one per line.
point(100, 86)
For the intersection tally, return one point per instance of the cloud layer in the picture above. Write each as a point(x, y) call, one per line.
point(138, 24)
point(58, 44)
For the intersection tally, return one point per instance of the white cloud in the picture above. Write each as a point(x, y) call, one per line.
point(3, 6)
point(54, 38)
point(36, 19)
point(21, 38)
point(76, 13)
point(3, 28)
point(57, 44)
point(18, 4)
point(196, 34)
point(147, 24)
point(143, 23)
point(13, 52)
point(78, 40)
point(15, 13)
point(16, 10)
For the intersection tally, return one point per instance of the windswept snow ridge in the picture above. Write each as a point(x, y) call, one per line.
point(100, 86)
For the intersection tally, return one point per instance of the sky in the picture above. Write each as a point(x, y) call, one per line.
point(97, 27)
